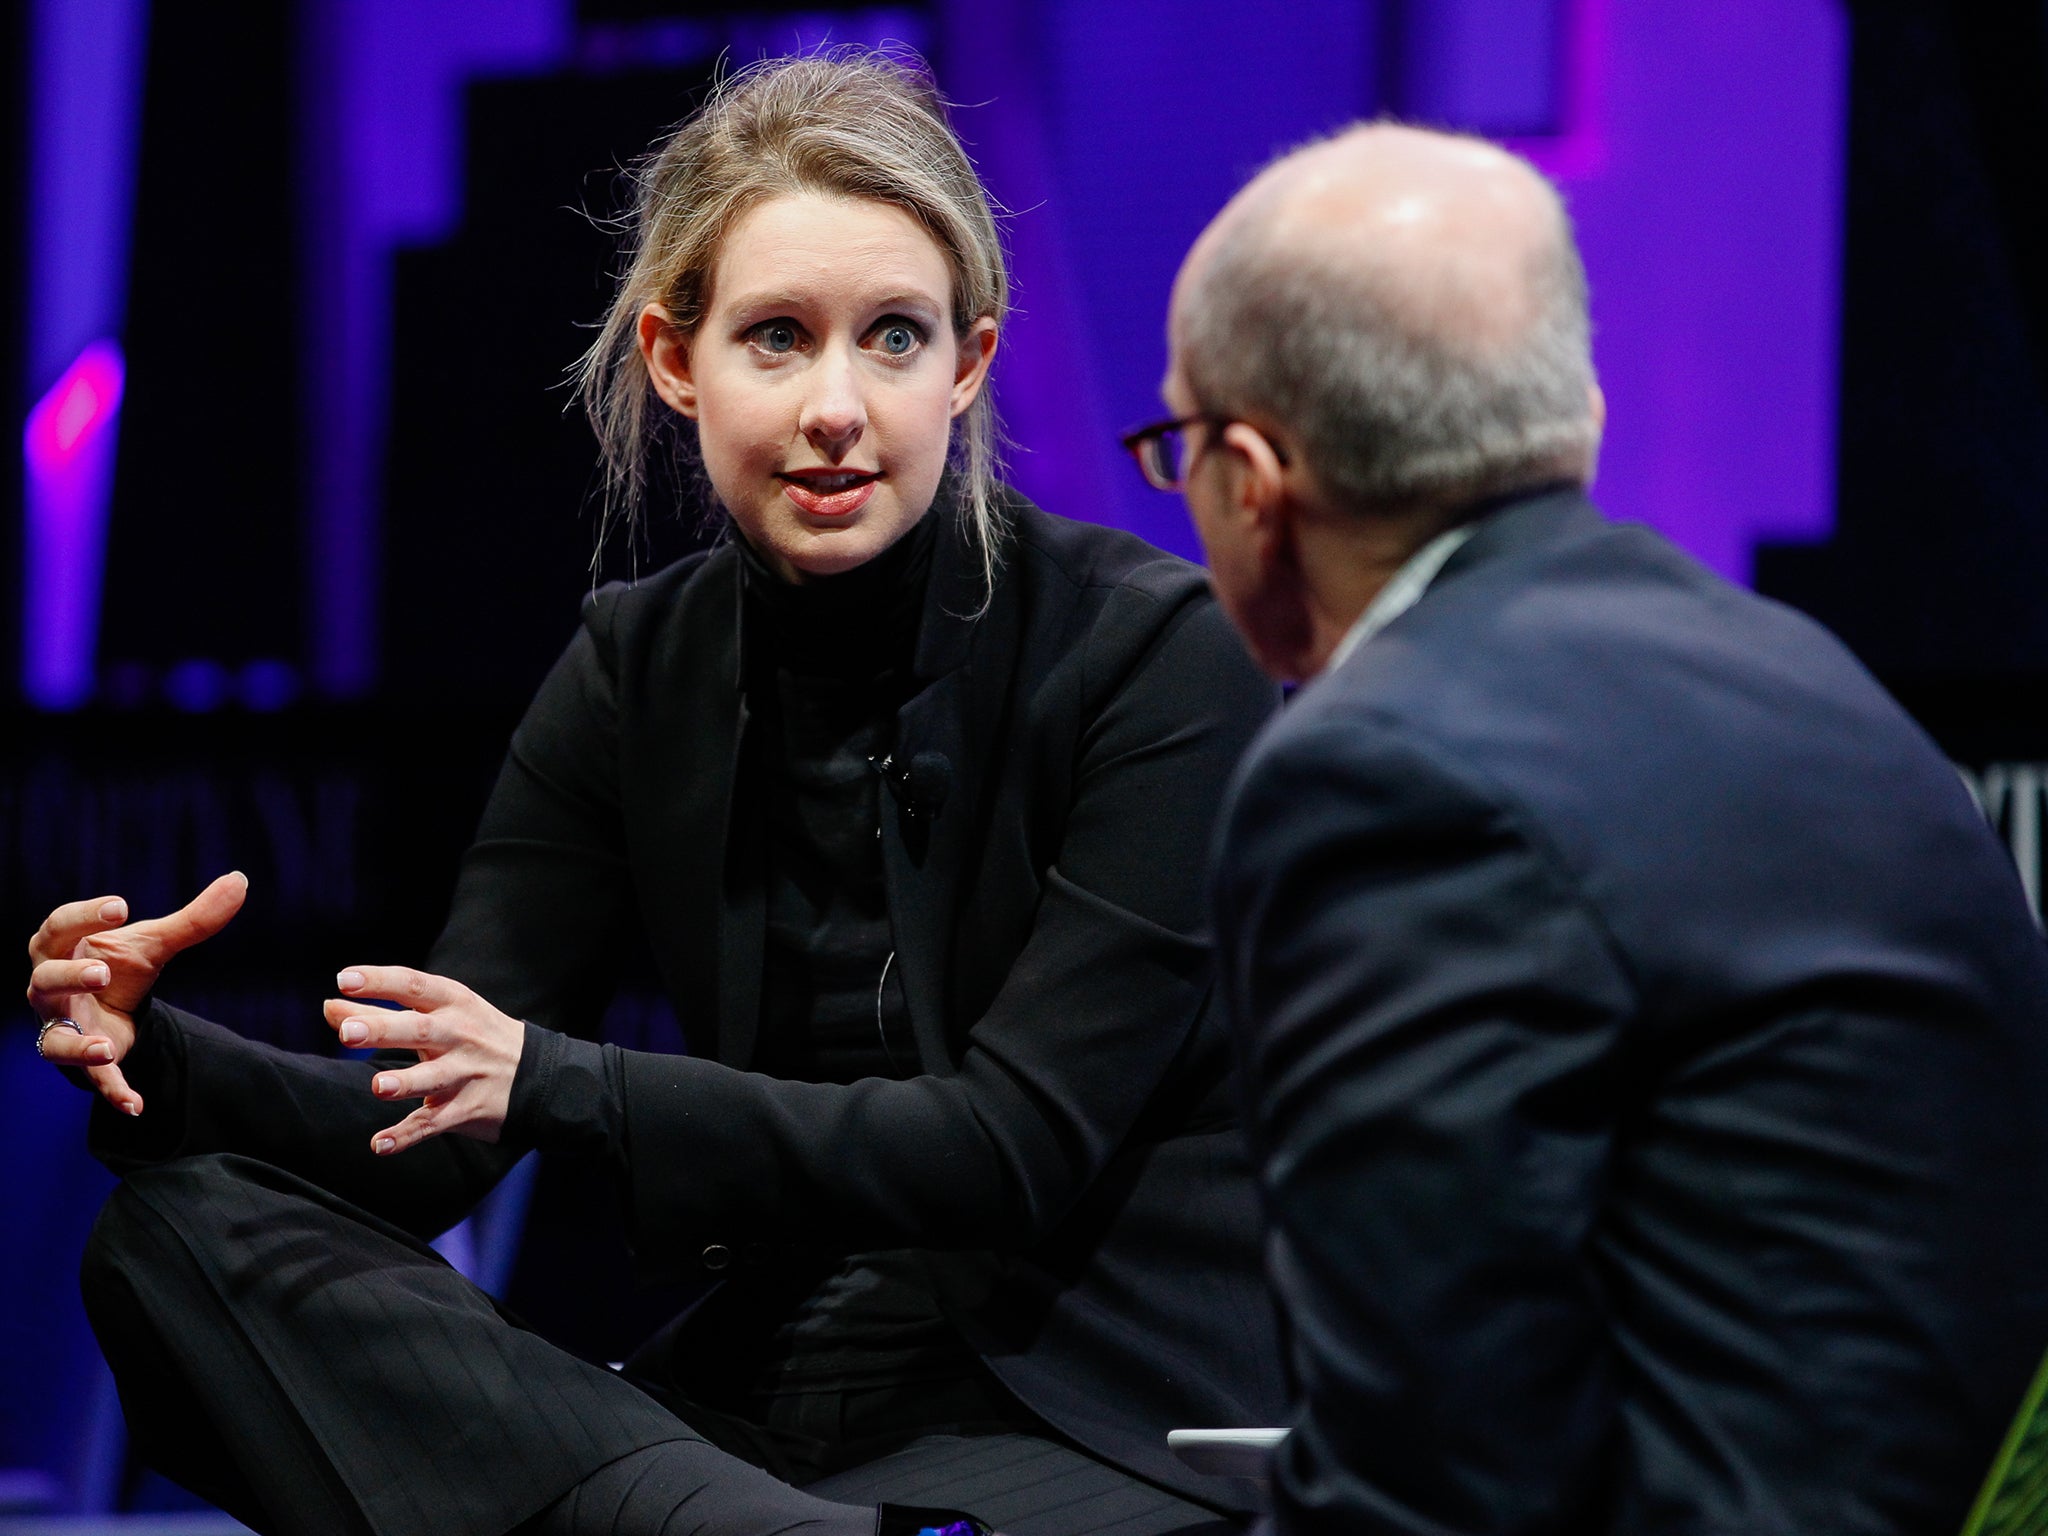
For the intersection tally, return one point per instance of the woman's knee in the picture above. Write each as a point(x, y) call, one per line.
point(124, 1274)
point(155, 1215)
point(125, 1227)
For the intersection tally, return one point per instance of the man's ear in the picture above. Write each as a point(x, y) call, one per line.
point(971, 363)
point(1596, 407)
point(1271, 606)
point(667, 353)
point(1258, 488)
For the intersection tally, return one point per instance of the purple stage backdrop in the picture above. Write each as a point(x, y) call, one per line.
point(1700, 148)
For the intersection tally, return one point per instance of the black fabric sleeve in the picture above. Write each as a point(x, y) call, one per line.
point(211, 1090)
point(1089, 1021)
point(567, 1096)
point(1430, 1020)
point(541, 892)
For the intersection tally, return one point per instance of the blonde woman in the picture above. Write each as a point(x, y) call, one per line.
point(908, 784)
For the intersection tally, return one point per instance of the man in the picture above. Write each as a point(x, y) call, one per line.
point(1647, 1039)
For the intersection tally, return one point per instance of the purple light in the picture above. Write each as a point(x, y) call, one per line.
point(85, 92)
point(1703, 160)
point(82, 402)
point(383, 126)
point(1490, 65)
point(198, 686)
point(1047, 383)
point(68, 454)
point(1579, 148)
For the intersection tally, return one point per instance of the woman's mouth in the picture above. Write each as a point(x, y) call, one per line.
point(838, 494)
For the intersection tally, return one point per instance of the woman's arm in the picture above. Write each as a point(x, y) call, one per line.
point(171, 1084)
point(1095, 1010)
point(540, 895)
point(214, 1091)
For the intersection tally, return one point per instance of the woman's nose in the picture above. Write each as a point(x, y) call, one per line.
point(835, 414)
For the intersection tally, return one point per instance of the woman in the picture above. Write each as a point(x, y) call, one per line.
point(908, 784)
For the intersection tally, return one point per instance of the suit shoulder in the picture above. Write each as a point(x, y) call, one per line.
point(1127, 603)
point(1331, 741)
point(1083, 556)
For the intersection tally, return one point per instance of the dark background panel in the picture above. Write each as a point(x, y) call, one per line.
point(203, 547)
point(1935, 573)
point(349, 832)
point(495, 504)
point(13, 304)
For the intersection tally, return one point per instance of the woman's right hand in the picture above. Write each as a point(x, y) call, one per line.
point(94, 967)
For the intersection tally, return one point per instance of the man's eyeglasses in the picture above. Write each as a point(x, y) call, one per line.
point(1163, 452)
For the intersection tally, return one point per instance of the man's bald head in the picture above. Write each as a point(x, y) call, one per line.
point(1411, 306)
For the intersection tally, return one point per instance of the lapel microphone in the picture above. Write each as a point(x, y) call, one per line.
point(919, 785)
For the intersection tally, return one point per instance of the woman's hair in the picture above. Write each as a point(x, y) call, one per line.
point(847, 123)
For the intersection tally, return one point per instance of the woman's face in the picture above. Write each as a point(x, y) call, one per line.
point(824, 378)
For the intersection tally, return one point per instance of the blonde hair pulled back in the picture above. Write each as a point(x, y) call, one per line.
point(849, 123)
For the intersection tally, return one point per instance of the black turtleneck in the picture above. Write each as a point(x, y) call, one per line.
point(827, 665)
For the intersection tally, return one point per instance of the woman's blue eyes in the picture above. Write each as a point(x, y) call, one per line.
point(893, 338)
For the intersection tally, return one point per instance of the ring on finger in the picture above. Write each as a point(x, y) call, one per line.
point(50, 1024)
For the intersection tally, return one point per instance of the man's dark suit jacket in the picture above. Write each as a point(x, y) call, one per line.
point(1073, 1147)
point(1649, 1049)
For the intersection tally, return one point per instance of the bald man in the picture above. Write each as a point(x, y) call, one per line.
point(1647, 1040)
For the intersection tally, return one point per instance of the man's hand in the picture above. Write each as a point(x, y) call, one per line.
point(468, 1051)
point(92, 966)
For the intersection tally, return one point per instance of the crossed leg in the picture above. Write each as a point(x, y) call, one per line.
point(315, 1370)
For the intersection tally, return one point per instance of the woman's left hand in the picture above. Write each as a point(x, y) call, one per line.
point(468, 1051)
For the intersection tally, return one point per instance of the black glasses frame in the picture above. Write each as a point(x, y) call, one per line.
point(1161, 465)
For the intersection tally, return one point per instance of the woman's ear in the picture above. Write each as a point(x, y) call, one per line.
point(970, 366)
point(667, 352)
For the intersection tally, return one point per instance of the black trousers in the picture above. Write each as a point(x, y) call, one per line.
point(315, 1371)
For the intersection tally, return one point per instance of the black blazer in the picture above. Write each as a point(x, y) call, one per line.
point(1649, 1046)
point(1071, 1150)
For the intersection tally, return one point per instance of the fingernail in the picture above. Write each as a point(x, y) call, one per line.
point(380, 1085)
point(133, 1109)
point(354, 1032)
point(113, 911)
point(99, 1050)
point(386, 1144)
point(348, 981)
point(95, 975)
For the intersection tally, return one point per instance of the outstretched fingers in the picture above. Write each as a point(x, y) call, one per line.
point(355, 1024)
point(72, 924)
point(112, 1086)
point(417, 990)
point(54, 983)
point(95, 1054)
point(429, 1080)
point(415, 1128)
point(201, 917)
point(469, 1051)
point(64, 1047)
